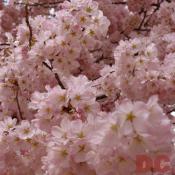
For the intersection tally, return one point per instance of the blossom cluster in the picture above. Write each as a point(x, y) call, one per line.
point(85, 85)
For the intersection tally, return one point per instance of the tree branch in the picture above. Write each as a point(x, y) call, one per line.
point(18, 103)
point(44, 5)
point(4, 44)
point(56, 75)
point(101, 97)
point(28, 24)
point(142, 21)
point(119, 3)
point(157, 5)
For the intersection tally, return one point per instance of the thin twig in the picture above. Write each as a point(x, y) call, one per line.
point(119, 3)
point(143, 30)
point(44, 5)
point(142, 21)
point(59, 81)
point(101, 97)
point(18, 103)
point(49, 67)
point(157, 5)
point(124, 34)
point(28, 24)
point(4, 44)
point(170, 110)
point(56, 75)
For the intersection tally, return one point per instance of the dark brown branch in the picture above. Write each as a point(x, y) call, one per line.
point(100, 59)
point(143, 30)
point(101, 97)
point(142, 21)
point(157, 7)
point(119, 3)
point(59, 81)
point(56, 75)
point(44, 5)
point(18, 103)
point(4, 44)
point(49, 67)
point(124, 34)
point(28, 24)
point(169, 109)
point(133, 71)
point(95, 50)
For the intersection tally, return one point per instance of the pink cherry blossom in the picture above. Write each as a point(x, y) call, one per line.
point(86, 86)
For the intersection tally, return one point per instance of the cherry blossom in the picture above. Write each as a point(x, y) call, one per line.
point(86, 86)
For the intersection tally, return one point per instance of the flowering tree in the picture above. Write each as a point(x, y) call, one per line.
point(85, 85)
